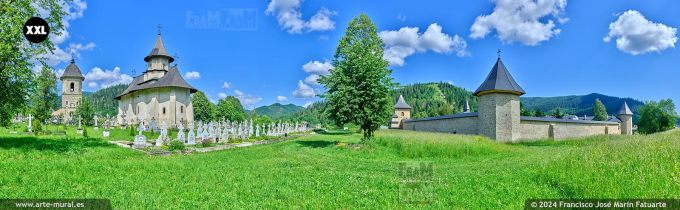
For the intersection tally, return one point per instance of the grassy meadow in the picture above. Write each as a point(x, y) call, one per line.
point(331, 171)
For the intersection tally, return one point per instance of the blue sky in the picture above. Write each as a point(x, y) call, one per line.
point(552, 48)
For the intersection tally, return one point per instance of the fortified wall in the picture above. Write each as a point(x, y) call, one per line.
point(498, 116)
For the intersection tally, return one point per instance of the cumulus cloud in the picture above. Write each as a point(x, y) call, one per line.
point(103, 78)
point(281, 98)
point(635, 34)
point(226, 85)
point(312, 79)
point(246, 99)
point(317, 67)
point(529, 22)
point(407, 41)
point(221, 95)
point(73, 10)
point(192, 75)
point(289, 16)
point(304, 91)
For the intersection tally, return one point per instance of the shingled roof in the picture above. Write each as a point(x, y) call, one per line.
point(625, 110)
point(159, 50)
point(499, 80)
point(401, 103)
point(72, 71)
point(171, 79)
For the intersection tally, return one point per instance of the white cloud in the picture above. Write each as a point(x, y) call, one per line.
point(635, 34)
point(309, 103)
point(401, 17)
point(304, 91)
point(521, 20)
point(407, 41)
point(316, 67)
point(221, 95)
point(450, 82)
point(289, 16)
point(246, 99)
point(192, 75)
point(312, 79)
point(281, 98)
point(73, 10)
point(226, 85)
point(103, 78)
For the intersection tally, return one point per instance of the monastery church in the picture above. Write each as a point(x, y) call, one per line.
point(498, 116)
point(159, 95)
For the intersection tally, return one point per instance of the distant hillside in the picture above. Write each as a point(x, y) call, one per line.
point(103, 100)
point(435, 99)
point(278, 111)
point(580, 104)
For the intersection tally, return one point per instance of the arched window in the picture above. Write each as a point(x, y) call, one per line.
point(181, 109)
point(402, 114)
point(163, 110)
point(73, 85)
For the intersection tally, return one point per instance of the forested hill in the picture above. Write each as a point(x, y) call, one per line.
point(103, 100)
point(580, 104)
point(435, 99)
point(278, 111)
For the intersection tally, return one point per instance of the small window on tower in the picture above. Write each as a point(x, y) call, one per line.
point(402, 114)
point(72, 87)
point(163, 110)
point(181, 109)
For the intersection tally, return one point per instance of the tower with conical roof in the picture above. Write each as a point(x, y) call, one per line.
point(626, 117)
point(498, 104)
point(158, 60)
point(402, 111)
point(72, 93)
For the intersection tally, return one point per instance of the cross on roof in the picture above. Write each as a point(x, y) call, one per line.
point(499, 52)
point(159, 29)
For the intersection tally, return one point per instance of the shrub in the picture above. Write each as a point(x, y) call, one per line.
point(85, 132)
point(657, 117)
point(132, 131)
point(206, 143)
point(176, 145)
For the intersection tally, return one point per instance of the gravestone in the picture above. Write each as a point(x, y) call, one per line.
point(123, 125)
point(105, 133)
point(140, 139)
point(180, 133)
point(191, 138)
point(96, 126)
point(79, 130)
point(30, 125)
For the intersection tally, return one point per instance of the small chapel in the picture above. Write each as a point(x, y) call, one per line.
point(71, 92)
point(159, 95)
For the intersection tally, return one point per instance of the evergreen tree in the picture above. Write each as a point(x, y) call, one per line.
point(539, 113)
point(358, 86)
point(85, 111)
point(657, 117)
point(230, 108)
point(558, 113)
point(203, 109)
point(599, 111)
point(43, 100)
point(17, 54)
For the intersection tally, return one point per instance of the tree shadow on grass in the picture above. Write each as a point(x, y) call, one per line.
point(28, 143)
point(317, 143)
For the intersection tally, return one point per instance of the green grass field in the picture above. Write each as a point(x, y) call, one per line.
point(330, 171)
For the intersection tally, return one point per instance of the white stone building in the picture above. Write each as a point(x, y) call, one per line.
point(160, 94)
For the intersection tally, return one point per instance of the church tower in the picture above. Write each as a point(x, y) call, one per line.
point(402, 111)
point(626, 117)
point(498, 105)
point(72, 93)
point(158, 60)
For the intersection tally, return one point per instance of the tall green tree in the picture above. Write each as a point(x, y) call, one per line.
point(599, 111)
point(17, 55)
point(203, 108)
point(358, 86)
point(539, 113)
point(84, 110)
point(657, 117)
point(230, 108)
point(44, 99)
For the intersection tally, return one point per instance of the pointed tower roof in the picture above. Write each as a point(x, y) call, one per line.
point(401, 103)
point(625, 110)
point(159, 50)
point(466, 108)
point(499, 80)
point(72, 71)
